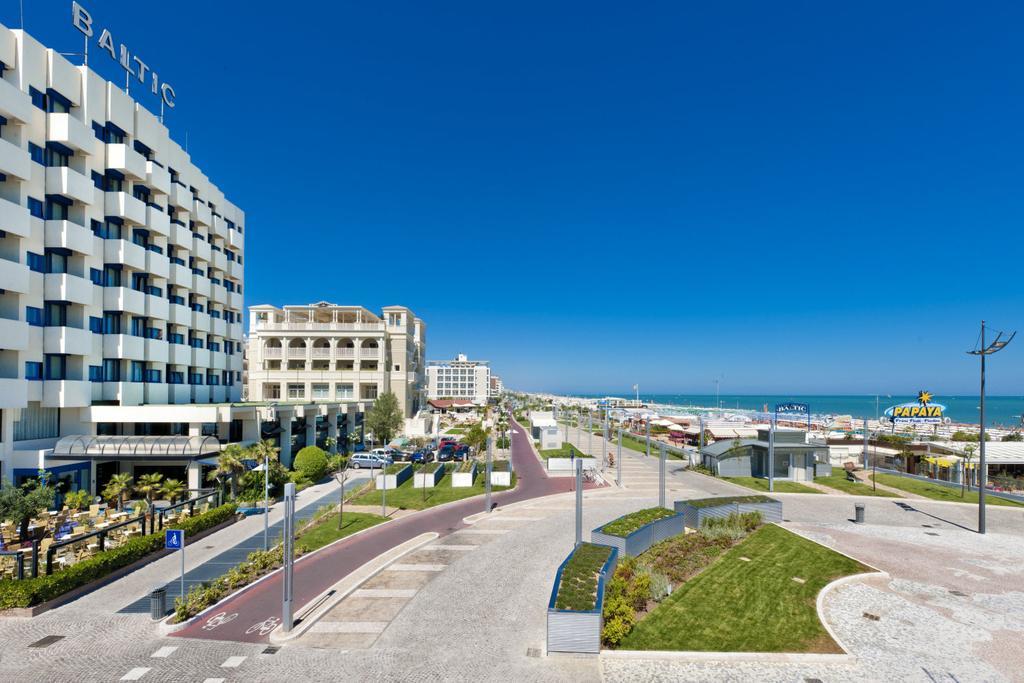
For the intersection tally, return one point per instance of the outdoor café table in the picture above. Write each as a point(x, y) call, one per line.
point(103, 525)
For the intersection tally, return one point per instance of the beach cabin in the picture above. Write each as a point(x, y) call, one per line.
point(544, 428)
point(795, 459)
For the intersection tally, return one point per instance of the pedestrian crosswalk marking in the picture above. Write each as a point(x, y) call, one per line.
point(232, 662)
point(135, 674)
point(165, 651)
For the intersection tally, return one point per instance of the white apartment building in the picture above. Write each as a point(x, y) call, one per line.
point(326, 352)
point(460, 378)
point(121, 280)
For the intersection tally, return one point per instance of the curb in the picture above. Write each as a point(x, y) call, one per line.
point(340, 590)
point(819, 604)
point(761, 657)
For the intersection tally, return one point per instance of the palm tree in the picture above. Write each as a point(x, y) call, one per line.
point(149, 484)
point(118, 486)
point(264, 450)
point(173, 489)
point(229, 466)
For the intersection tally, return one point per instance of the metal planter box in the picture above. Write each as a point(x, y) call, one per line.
point(641, 539)
point(570, 631)
point(771, 511)
point(426, 479)
point(568, 464)
point(502, 477)
point(464, 479)
point(395, 480)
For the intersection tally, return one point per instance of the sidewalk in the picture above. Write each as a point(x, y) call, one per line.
point(209, 556)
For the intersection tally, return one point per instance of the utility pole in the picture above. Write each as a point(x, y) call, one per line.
point(648, 423)
point(487, 481)
point(661, 477)
point(618, 462)
point(579, 501)
point(771, 456)
point(289, 556)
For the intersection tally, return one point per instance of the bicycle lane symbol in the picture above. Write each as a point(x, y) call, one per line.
point(264, 627)
point(219, 619)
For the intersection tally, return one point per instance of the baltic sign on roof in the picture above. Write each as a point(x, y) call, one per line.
point(134, 66)
point(923, 411)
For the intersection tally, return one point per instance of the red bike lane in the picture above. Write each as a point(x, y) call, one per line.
point(260, 604)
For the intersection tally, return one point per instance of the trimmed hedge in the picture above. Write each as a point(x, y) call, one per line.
point(312, 462)
point(30, 592)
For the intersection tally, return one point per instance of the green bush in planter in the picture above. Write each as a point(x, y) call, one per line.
point(312, 462)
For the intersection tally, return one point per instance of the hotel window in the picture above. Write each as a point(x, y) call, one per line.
point(296, 391)
point(56, 208)
point(137, 371)
point(368, 391)
point(56, 366)
point(140, 237)
point(140, 281)
point(97, 181)
point(36, 154)
point(111, 370)
point(38, 98)
point(57, 155)
point(111, 275)
point(33, 370)
point(96, 276)
point(113, 182)
point(322, 391)
point(212, 379)
point(152, 376)
point(175, 376)
point(34, 316)
point(138, 327)
point(55, 313)
point(344, 391)
point(57, 103)
point(95, 373)
point(56, 260)
point(35, 207)
point(95, 325)
point(112, 135)
point(110, 229)
point(195, 378)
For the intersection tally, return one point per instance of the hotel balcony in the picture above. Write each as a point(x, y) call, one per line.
point(321, 352)
point(15, 104)
point(124, 299)
point(70, 132)
point(179, 314)
point(69, 235)
point(157, 307)
point(158, 178)
point(157, 265)
point(124, 206)
point(369, 354)
point(14, 218)
point(14, 276)
point(180, 236)
point(272, 352)
point(201, 286)
point(201, 249)
point(297, 354)
point(234, 270)
point(218, 361)
point(179, 275)
point(157, 351)
point(219, 227)
point(201, 322)
point(158, 221)
point(125, 393)
point(121, 157)
point(70, 183)
point(235, 331)
point(218, 260)
point(124, 252)
point(218, 294)
point(236, 240)
point(124, 346)
point(67, 340)
point(66, 393)
point(67, 287)
point(13, 334)
point(201, 213)
point(179, 393)
point(15, 161)
point(200, 358)
point(179, 354)
point(200, 393)
point(218, 327)
point(155, 393)
point(219, 394)
point(345, 353)
point(235, 301)
point(180, 197)
point(13, 392)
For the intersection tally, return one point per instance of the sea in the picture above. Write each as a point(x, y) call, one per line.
point(1000, 411)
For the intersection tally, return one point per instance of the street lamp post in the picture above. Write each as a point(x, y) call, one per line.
point(771, 457)
point(998, 344)
point(618, 462)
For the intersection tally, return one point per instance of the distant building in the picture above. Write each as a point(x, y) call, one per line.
point(460, 378)
point(794, 459)
point(496, 386)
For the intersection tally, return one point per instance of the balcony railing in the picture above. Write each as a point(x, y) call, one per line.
point(297, 353)
point(355, 327)
point(321, 352)
point(272, 353)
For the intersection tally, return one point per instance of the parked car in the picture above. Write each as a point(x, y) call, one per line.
point(446, 439)
point(369, 460)
point(387, 452)
point(446, 452)
point(421, 456)
point(461, 452)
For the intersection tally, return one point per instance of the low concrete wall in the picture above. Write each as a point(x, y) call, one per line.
point(568, 464)
point(693, 516)
point(643, 538)
point(501, 478)
point(463, 479)
point(427, 479)
point(393, 481)
point(953, 485)
point(570, 631)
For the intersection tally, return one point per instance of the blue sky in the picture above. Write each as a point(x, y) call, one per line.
point(788, 196)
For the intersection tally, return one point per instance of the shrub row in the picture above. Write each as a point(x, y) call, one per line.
point(577, 590)
point(30, 592)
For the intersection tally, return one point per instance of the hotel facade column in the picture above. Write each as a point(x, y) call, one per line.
point(194, 474)
point(285, 454)
point(350, 420)
point(332, 429)
point(310, 428)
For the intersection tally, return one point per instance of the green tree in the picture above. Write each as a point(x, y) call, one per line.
point(384, 418)
point(264, 450)
point(476, 437)
point(149, 485)
point(172, 490)
point(312, 463)
point(77, 500)
point(1013, 436)
point(229, 466)
point(21, 505)
point(118, 488)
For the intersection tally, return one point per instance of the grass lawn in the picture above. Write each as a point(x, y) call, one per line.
point(837, 480)
point(564, 452)
point(456, 430)
point(937, 491)
point(759, 484)
point(409, 498)
point(326, 531)
point(756, 606)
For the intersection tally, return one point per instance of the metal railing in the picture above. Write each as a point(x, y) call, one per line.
point(100, 535)
point(158, 520)
point(19, 560)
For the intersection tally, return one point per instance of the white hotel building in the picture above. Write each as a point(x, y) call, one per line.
point(121, 282)
point(324, 352)
point(459, 379)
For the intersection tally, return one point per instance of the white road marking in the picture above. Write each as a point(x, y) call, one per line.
point(348, 627)
point(399, 567)
point(483, 531)
point(214, 680)
point(510, 518)
point(233, 662)
point(383, 593)
point(441, 546)
point(135, 674)
point(166, 651)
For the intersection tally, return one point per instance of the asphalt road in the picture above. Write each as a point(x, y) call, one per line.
point(261, 603)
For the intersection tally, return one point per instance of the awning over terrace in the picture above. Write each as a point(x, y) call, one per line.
point(86, 447)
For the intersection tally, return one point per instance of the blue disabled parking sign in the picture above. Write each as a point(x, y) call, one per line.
point(174, 539)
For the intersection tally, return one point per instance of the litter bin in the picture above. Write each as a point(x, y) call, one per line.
point(158, 604)
point(858, 513)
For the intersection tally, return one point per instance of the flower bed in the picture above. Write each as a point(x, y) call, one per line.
point(634, 533)
point(696, 511)
point(394, 475)
point(427, 476)
point(464, 474)
point(574, 617)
